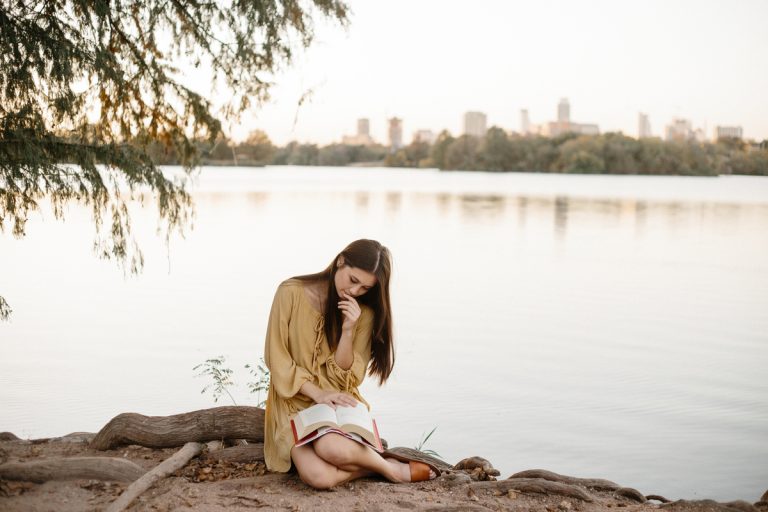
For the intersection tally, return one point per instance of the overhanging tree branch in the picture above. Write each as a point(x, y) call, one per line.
point(125, 62)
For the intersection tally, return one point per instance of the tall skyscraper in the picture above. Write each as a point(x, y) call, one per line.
point(475, 124)
point(363, 127)
point(643, 126)
point(525, 122)
point(395, 133)
point(564, 111)
point(363, 135)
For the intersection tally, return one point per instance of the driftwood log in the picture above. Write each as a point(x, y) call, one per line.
point(162, 470)
point(72, 468)
point(232, 422)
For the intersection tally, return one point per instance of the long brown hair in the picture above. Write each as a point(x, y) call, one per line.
point(371, 256)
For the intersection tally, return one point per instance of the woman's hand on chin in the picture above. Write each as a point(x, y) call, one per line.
point(335, 399)
point(351, 311)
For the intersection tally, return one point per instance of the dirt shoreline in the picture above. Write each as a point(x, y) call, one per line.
point(207, 484)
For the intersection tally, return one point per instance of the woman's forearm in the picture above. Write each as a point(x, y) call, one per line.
point(310, 390)
point(344, 355)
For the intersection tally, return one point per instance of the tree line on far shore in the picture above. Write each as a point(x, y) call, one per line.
point(498, 151)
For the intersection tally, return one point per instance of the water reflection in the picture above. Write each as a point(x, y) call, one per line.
point(486, 207)
point(561, 216)
point(362, 200)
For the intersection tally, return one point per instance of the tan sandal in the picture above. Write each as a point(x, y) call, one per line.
point(419, 469)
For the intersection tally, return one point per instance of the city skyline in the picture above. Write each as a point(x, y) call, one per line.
point(612, 60)
point(474, 123)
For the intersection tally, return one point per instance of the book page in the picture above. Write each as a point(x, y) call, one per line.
point(318, 413)
point(357, 415)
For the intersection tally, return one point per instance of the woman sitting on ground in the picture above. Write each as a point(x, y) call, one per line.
point(325, 331)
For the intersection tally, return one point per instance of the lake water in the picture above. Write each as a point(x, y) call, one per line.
point(596, 326)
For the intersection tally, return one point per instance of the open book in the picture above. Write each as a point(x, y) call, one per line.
point(353, 422)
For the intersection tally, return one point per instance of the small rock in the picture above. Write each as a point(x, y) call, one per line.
point(564, 505)
point(471, 494)
point(512, 494)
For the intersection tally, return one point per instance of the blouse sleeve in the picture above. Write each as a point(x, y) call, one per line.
point(346, 380)
point(286, 377)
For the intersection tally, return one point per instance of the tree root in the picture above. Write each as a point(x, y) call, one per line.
point(162, 470)
point(231, 422)
point(591, 483)
point(72, 468)
point(633, 494)
point(537, 485)
point(245, 454)
point(417, 455)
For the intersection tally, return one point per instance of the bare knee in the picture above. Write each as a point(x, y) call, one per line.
point(336, 450)
point(316, 477)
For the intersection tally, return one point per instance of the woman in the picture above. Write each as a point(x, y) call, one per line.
point(325, 331)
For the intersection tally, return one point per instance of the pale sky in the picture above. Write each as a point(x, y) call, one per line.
point(428, 62)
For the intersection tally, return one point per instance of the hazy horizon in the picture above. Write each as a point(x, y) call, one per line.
point(429, 62)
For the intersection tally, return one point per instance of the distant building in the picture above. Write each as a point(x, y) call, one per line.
point(565, 125)
point(678, 130)
point(427, 136)
point(475, 124)
point(643, 126)
point(525, 122)
point(564, 111)
point(734, 132)
point(585, 128)
point(362, 137)
point(363, 127)
point(556, 128)
point(395, 133)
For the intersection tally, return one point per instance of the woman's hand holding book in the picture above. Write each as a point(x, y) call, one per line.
point(335, 398)
point(331, 398)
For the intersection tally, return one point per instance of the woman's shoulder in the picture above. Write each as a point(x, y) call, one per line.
point(292, 283)
point(289, 288)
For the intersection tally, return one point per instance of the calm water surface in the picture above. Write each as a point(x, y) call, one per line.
point(597, 326)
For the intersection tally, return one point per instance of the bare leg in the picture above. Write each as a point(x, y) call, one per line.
point(316, 472)
point(334, 459)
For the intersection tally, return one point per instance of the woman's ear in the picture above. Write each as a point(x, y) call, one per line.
point(340, 262)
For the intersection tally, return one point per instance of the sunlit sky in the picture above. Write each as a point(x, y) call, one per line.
point(428, 62)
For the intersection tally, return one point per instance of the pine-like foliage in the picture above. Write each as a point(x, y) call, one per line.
point(87, 85)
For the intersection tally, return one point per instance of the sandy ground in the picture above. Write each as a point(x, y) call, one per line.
point(209, 485)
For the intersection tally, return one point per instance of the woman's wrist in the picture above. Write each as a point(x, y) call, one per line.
point(310, 391)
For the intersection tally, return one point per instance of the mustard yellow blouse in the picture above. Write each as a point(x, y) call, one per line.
point(296, 351)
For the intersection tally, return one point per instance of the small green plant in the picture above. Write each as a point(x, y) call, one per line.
point(222, 377)
point(261, 382)
point(423, 441)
